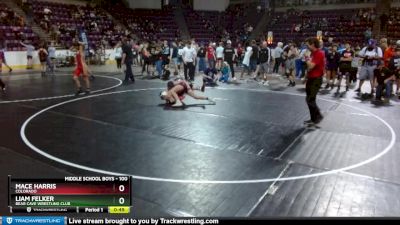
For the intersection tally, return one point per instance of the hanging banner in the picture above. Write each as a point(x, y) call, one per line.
point(83, 38)
point(319, 35)
point(270, 37)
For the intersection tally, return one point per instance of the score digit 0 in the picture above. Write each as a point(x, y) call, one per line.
point(121, 188)
point(121, 201)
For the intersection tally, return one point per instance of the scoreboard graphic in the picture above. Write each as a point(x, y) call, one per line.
point(75, 194)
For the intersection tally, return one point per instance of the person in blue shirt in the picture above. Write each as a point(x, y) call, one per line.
point(225, 73)
point(209, 77)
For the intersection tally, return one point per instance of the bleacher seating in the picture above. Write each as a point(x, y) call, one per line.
point(146, 23)
point(13, 30)
point(339, 25)
point(67, 19)
point(212, 25)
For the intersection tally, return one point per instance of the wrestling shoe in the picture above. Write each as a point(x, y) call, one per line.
point(203, 87)
point(10, 70)
point(211, 101)
point(317, 121)
point(87, 91)
point(3, 89)
point(177, 104)
point(78, 92)
point(308, 122)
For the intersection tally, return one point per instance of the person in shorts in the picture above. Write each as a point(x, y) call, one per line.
point(264, 59)
point(372, 56)
point(345, 67)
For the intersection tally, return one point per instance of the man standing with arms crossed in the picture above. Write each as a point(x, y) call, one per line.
point(189, 58)
point(315, 64)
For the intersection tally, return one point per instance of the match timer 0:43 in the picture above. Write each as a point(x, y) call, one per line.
point(89, 194)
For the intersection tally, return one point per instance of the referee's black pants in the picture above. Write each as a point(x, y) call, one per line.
point(231, 66)
point(312, 87)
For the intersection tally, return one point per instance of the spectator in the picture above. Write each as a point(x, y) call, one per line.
point(211, 56)
point(368, 34)
point(264, 60)
point(278, 57)
point(246, 61)
point(372, 56)
point(29, 54)
point(43, 54)
point(118, 55)
point(52, 57)
point(383, 80)
point(201, 54)
point(229, 57)
point(316, 65)
point(189, 58)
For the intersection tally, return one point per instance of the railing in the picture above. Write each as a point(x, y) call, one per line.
point(295, 3)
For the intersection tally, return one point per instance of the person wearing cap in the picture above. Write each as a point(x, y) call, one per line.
point(394, 66)
point(372, 56)
point(229, 57)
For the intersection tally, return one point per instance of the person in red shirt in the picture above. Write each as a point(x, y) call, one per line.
point(211, 56)
point(315, 60)
point(389, 53)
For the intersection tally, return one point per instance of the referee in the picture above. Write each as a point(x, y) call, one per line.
point(127, 59)
point(316, 63)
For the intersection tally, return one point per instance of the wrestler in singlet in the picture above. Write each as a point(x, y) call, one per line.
point(181, 93)
point(79, 65)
